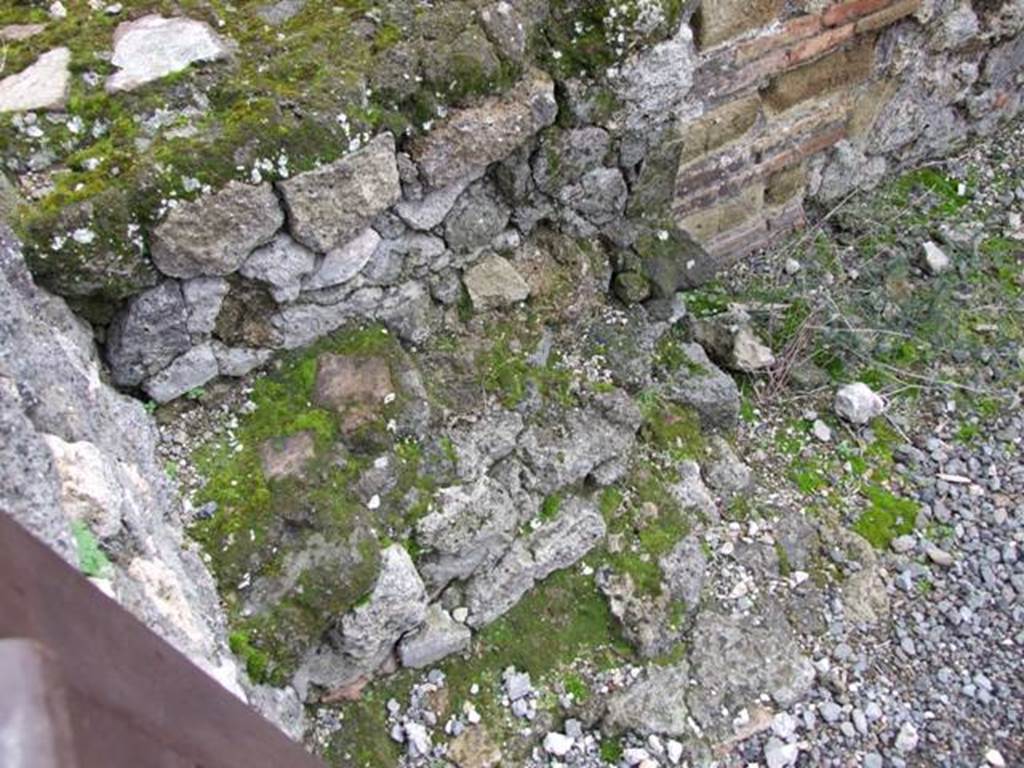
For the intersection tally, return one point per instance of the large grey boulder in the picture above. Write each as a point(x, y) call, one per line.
point(655, 704)
point(188, 372)
point(699, 384)
point(565, 453)
point(471, 529)
point(213, 235)
point(367, 634)
point(329, 206)
point(471, 139)
point(281, 263)
point(42, 85)
point(71, 447)
point(493, 283)
point(438, 637)
point(555, 545)
point(148, 334)
point(154, 46)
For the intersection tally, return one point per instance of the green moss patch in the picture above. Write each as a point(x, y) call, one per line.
point(886, 517)
point(291, 554)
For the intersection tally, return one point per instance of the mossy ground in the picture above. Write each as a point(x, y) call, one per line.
point(258, 522)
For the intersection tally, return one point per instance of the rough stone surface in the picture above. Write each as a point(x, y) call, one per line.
point(477, 217)
point(238, 361)
point(858, 403)
point(153, 46)
point(345, 262)
point(471, 139)
point(494, 283)
point(204, 297)
point(471, 529)
point(281, 263)
point(438, 637)
point(557, 544)
point(186, 373)
point(936, 261)
point(368, 633)
point(736, 659)
point(73, 448)
point(42, 85)
point(215, 234)
point(148, 334)
point(431, 210)
point(329, 206)
point(563, 454)
point(656, 704)
point(730, 340)
point(701, 385)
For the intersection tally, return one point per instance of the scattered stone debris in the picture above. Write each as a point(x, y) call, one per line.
point(936, 261)
point(858, 404)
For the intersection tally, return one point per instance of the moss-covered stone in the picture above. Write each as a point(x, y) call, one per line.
point(294, 553)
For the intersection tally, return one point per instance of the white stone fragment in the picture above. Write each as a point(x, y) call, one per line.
point(156, 46)
point(42, 85)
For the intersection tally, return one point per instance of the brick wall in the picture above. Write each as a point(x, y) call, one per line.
point(777, 91)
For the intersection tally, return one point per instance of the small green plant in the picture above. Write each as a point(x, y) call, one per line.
point(611, 751)
point(91, 560)
point(257, 663)
point(196, 393)
point(577, 688)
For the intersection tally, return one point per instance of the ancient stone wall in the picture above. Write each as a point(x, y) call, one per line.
point(683, 156)
point(78, 469)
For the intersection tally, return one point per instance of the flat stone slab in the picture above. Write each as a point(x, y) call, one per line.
point(287, 456)
point(494, 283)
point(155, 46)
point(343, 380)
point(16, 32)
point(42, 85)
